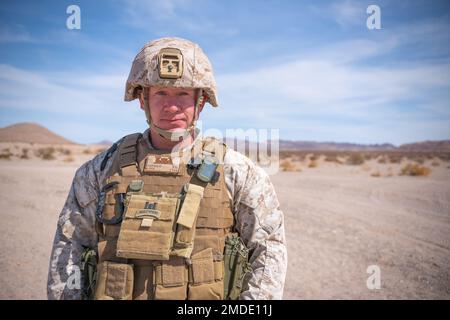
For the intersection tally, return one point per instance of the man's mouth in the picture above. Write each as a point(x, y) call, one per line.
point(173, 120)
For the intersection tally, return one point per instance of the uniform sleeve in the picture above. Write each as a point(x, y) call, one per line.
point(75, 230)
point(260, 223)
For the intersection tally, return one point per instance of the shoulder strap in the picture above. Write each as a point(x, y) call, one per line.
point(128, 153)
point(214, 147)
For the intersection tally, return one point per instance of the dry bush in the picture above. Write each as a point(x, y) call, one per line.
point(376, 174)
point(333, 157)
point(286, 154)
point(313, 164)
point(24, 154)
point(435, 163)
point(414, 169)
point(6, 156)
point(369, 156)
point(47, 153)
point(66, 152)
point(287, 165)
point(382, 159)
point(395, 158)
point(87, 151)
point(445, 156)
point(69, 159)
point(355, 159)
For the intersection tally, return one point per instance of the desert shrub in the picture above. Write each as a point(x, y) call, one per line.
point(287, 165)
point(414, 169)
point(435, 163)
point(395, 158)
point(24, 154)
point(444, 156)
point(6, 156)
point(369, 156)
point(376, 174)
point(313, 163)
point(69, 159)
point(87, 151)
point(331, 158)
point(285, 154)
point(66, 152)
point(355, 159)
point(382, 159)
point(47, 153)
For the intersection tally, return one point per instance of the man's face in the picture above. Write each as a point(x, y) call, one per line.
point(172, 108)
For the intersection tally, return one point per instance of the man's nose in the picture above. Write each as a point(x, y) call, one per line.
point(171, 106)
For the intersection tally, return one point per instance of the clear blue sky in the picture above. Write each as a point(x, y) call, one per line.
point(311, 69)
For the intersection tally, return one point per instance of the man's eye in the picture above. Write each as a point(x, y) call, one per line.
point(183, 94)
point(160, 93)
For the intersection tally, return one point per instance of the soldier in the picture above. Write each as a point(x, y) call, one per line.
point(167, 214)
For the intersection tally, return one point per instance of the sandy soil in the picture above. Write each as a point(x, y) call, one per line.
point(339, 220)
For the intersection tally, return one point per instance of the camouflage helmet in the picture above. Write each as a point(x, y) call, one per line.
point(171, 62)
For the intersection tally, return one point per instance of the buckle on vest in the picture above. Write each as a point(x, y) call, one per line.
point(207, 171)
point(136, 185)
point(101, 204)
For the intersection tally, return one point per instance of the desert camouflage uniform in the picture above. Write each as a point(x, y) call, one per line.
point(259, 221)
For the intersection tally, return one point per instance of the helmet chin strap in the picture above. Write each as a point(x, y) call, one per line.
point(173, 134)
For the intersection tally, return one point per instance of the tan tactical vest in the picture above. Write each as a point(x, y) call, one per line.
point(170, 242)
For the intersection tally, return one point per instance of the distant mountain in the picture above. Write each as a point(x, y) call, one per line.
point(427, 146)
point(31, 133)
point(333, 146)
point(106, 143)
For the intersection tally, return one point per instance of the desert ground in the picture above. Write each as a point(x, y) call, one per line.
point(340, 219)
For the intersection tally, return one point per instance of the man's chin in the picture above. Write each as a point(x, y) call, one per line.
point(173, 125)
point(177, 129)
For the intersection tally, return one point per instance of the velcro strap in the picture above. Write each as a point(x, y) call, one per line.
point(191, 205)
